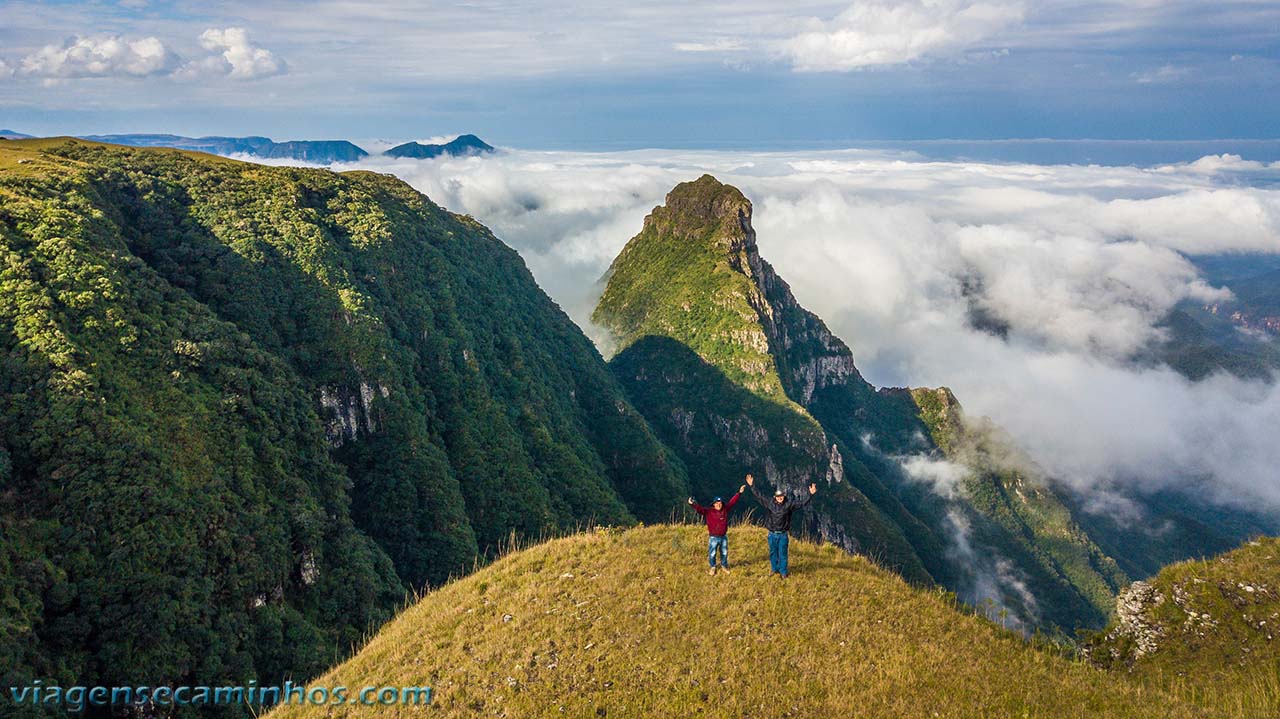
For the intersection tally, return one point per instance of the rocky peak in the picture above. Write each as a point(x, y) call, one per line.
point(702, 243)
point(705, 208)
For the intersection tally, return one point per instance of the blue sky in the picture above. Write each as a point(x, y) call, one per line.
point(611, 74)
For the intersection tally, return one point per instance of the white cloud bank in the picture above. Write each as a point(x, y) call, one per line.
point(891, 32)
point(1080, 262)
point(233, 56)
point(100, 56)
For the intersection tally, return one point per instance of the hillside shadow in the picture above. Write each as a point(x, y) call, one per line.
point(722, 431)
point(664, 375)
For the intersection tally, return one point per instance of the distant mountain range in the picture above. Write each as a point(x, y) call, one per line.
point(321, 152)
point(318, 151)
point(460, 146)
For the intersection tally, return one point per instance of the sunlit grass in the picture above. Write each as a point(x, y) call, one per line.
point(1218, 619)
point(624, 624)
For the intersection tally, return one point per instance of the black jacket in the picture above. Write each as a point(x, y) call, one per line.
point(777, 517)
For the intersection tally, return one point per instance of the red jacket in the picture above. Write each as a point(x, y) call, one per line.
point(717, 522)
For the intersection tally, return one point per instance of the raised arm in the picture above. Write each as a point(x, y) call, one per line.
point(733, 500)
point(697, 507)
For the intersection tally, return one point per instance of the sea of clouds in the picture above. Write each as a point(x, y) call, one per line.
point(1079, 262)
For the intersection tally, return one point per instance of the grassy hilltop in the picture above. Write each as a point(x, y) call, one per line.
point(628, 624)
point(1208, 628)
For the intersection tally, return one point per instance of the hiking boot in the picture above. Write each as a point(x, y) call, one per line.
point(712, 571)
point(725, 570)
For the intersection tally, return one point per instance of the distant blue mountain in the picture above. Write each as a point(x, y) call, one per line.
point(317, 151)
point(321, 152)
point(459, 146)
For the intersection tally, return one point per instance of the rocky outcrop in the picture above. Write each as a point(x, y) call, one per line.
point(348, 412)
point(1132, 618)
point(1134, 633)
point(1214, 619)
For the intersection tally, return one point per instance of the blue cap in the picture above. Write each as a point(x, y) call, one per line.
point(717, 499)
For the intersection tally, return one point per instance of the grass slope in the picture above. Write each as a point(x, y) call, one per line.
point(629, 624)
point(1208, 628)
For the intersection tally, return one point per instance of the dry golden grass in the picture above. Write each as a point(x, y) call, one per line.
point(629, 624)
point(1219, 623)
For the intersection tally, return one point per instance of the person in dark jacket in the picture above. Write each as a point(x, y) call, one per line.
point(778, 510)
point(717, 516)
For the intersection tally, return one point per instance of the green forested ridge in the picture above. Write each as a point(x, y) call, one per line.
point(736, 376)
point(1064, 569)
point(243, 408)
point(1240, 335)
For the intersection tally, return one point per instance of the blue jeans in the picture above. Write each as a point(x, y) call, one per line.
point(720, 544)
point(778, 552)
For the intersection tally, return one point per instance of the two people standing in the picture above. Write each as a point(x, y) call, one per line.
point(778, 511)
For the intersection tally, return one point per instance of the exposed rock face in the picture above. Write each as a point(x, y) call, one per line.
point(783, 325)
point(1132, 621)
point(348, 412)
point(835, 469)
point(813, 357)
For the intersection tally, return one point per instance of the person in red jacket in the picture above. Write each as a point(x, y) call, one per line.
point(717, 516)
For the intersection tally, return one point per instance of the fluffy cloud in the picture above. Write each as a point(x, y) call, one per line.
point(235, 56)
point(1079, 262)
point(100, 56)
point(942, 476)
point(891, 32)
